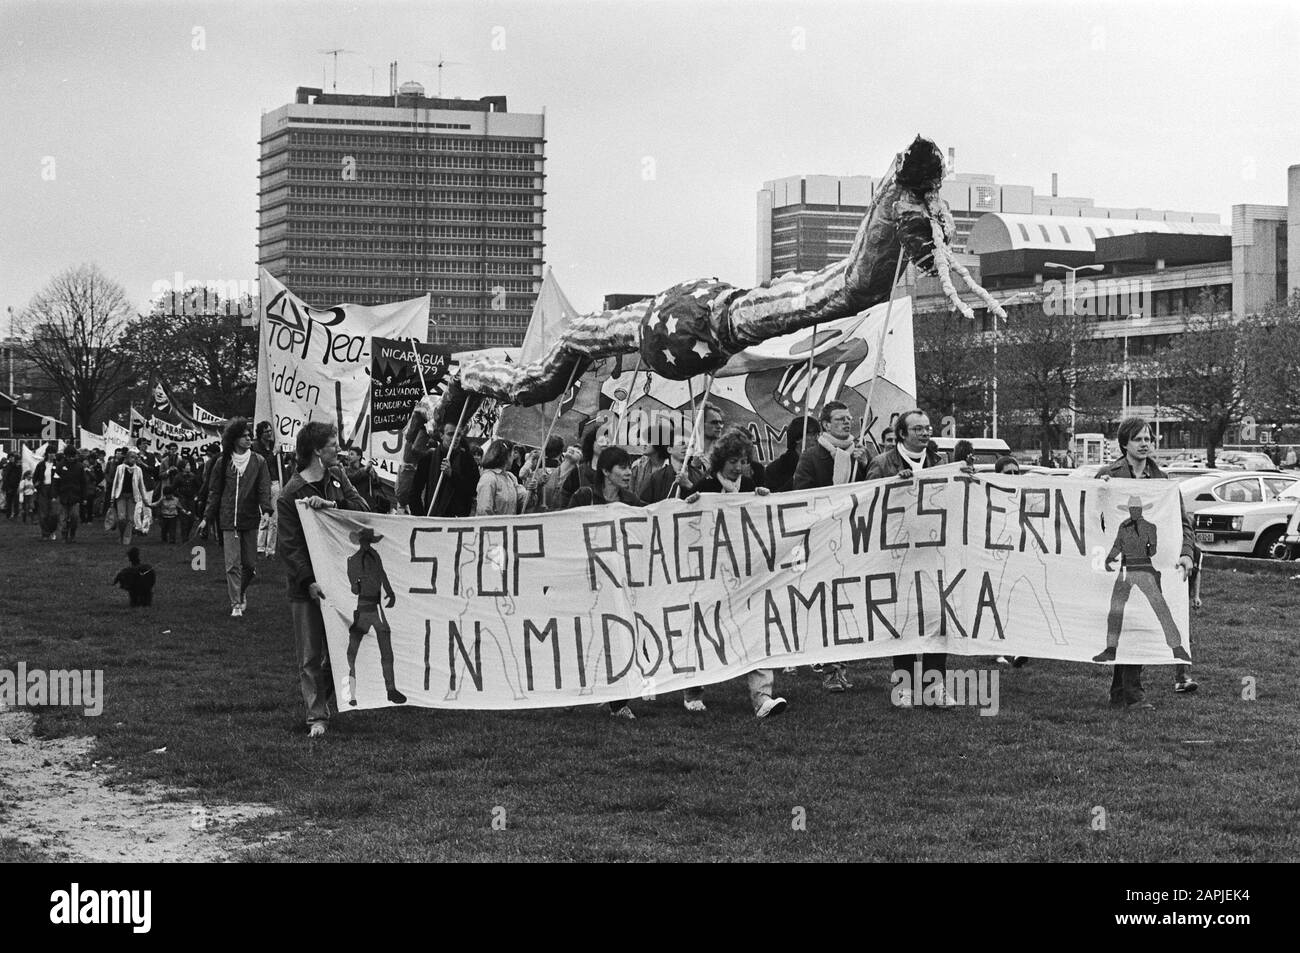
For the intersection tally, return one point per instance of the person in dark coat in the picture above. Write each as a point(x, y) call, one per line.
point(13, 475)
point(456, 493)
point(780, 472)
point(835, 458)
point(71, 478)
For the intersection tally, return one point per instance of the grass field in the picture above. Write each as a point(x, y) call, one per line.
point(1205, 777)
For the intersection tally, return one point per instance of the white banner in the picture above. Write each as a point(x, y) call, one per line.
point(612, 602)
point(115, 435)
point(207, 418)
point(314, 364)
point(161, 432)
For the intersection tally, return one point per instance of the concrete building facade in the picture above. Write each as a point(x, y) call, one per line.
point(372, 199)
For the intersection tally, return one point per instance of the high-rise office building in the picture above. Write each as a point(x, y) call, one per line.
point(371, 199)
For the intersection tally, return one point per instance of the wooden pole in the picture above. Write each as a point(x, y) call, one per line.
point(807, 410)
point(447, 459)
point(699, 423)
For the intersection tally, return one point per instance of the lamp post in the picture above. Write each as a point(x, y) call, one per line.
point(1131, 321)
point(1070, 288)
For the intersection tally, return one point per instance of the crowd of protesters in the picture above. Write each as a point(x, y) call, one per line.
point(245, 491)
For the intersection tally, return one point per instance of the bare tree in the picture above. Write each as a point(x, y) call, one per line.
point(1207, 372)
point(1041, 362)
point(952, 367)
point(72, 330)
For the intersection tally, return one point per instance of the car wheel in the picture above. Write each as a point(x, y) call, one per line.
point(1270, 544)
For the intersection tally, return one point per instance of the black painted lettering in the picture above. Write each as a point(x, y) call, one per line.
point(593, 552)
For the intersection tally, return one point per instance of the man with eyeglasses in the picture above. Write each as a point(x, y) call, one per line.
point(911, 454)
point(833, 459)
point(697, 467)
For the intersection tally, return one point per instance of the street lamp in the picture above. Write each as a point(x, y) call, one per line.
point(1020, 297)
point(1070, 287)
point(1131, 321)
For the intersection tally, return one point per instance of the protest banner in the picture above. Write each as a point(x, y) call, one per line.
point(206, 418)
point(161, 432)
point(116, 435)
point(314, 364)
point(397, 384)
point(613, 602)
point(763, 388)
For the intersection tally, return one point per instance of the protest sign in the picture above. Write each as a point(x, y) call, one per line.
point(161, 432)
point(605, 603)
point(397, 383)
point(314, 364)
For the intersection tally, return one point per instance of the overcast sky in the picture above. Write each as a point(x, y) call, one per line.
point(152, 143)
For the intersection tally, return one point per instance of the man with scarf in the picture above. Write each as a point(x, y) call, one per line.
point(834, 459)
point(912, 452)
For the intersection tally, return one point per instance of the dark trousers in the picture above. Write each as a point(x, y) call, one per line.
point(47, 513)
point(68, 517)
point(168, 528)
point(1126, 685)
point(11, 503)
point(937, 661)
point(1147, 581)
point(366, 617)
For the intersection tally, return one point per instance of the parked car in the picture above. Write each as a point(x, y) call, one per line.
point(1212, 488)
point(984, 449)
point(1246, 459)
point(1249, 529)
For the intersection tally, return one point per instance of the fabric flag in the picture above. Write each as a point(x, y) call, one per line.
point(205, 418)
point(397, 385)
point(765, 387)
point(314, 363)
point(528, 425)
point(166, 406)
point(597, 604)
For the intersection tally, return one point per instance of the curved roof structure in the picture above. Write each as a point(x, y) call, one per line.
point(1000, 231)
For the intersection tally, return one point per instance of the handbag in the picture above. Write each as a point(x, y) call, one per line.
point(143, 518)
point(110, 517)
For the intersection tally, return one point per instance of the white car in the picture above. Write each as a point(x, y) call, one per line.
point(1249, 529)
point(1211, 488)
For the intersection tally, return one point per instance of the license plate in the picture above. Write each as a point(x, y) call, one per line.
point(1205, 537)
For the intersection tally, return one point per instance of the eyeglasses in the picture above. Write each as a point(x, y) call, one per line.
point(918, 429)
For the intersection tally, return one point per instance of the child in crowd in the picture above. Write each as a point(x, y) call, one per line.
point(169, 513)
point(137, 579)
point(27, 494)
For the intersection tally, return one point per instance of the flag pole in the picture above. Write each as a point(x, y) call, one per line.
point(807, 410)
point(699, 423)
point(880, 348)
point(447, 459)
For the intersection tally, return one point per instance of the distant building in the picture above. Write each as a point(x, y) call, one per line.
point(372, 199)
point(807, 222)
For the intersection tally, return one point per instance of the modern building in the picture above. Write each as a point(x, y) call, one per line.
point(808, 222)
point(372, 199)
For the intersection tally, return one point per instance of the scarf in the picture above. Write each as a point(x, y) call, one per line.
point(240, 461)
point(917, 463)
point(840, 450)
point(727, 485)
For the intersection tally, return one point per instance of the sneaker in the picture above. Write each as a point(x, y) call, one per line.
point(1140, 706)
point(790, 670)
point(317, 729)
point(904, 698)
point(236, 611)
point(1105, 655)
point(1003, 660)
point(844, 678)
point(693, 704)
point(818, 668)
point(1185, 686)
point(834, 682)
point(625, 713)
point(773, 706)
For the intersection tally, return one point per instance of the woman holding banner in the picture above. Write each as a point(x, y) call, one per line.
point(238, 496)
point(498, 492)
point(728, 459)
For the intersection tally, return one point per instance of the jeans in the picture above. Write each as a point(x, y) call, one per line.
point(314, 674)
point(169, 528)
point(240, 552)
point(760, 682)
point(125, 506)
point(69, 517)
point(267, 531)
point(46, 514)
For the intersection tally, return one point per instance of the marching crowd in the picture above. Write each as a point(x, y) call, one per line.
point(245, 491)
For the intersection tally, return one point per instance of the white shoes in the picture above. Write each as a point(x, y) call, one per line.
point(625, 713)
point(694, 704)
point(317, 729)
point(237, 611)
point(773, 706)
point(903, 699)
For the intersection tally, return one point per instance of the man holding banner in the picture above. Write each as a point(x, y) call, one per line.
point(321, 484)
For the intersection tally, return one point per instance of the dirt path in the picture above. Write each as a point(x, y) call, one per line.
point(51, 802)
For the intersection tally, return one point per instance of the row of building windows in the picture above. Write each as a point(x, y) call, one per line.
point(492, 319)
point(363, 194)
point(422, 143)
point(484, 301)
point(364, 175)
point(400, 160)
point(457, 249)
point(322, 121)
point(337, 212)
point(413, 231)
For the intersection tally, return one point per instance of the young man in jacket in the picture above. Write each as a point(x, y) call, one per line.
point(911, 453)
point(1137, 445)
point(323, 485)
point(240, 492)
point(832, 459)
